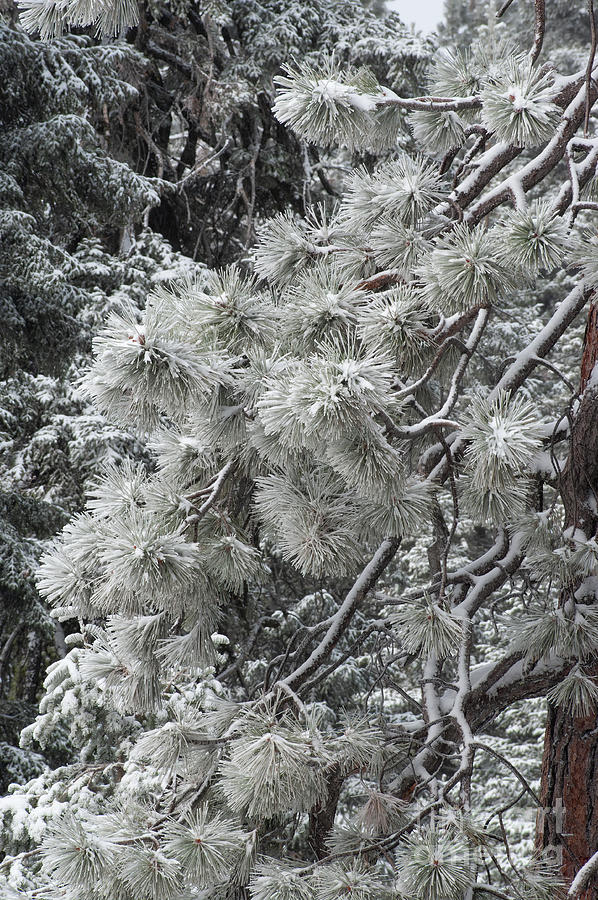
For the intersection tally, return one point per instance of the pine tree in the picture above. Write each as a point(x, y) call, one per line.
point(64, 201)
point(128, 105)
point(326, 413)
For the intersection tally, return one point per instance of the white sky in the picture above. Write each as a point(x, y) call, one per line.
point(424, 13)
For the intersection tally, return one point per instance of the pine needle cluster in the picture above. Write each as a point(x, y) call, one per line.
point(330, 104)
point(504, 435)
point(518, 106)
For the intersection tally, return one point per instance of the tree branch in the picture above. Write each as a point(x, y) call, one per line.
point(343, 616)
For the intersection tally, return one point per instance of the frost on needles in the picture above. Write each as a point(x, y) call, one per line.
point(267, 701)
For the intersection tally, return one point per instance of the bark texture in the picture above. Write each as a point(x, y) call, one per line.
point(321, 817)
point(569, 790)
point(568, 821)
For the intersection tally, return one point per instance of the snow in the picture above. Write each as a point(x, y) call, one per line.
point(13, 803)
point(587, 872)
point(332, 92)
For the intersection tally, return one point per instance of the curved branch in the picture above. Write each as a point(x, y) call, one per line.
point(540, 17)
point(538, 168)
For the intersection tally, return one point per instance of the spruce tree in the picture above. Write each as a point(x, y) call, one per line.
point(327, 414)
point(203, 120)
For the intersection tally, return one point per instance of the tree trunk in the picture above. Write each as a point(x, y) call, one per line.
point(34, 665)
point(321, 817)
point(568, 822)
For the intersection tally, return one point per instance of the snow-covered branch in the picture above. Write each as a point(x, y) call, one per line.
point(364, 583)
point(587, 872)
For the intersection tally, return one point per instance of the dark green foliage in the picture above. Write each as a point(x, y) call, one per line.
point(206, 108)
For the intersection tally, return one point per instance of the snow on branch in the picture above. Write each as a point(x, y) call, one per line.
point(364, 583)
point(583, 877)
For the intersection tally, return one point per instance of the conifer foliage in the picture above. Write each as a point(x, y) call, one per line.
point(311, 421)
point(65, 203)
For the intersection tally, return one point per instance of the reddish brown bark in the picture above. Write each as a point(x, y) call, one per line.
point(590, 346)
point(569, 790)
point(569, 818)
point(383, 280)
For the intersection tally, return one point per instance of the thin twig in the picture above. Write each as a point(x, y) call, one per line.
point(590, 66)
point(503, 9)
point(540, 15)
point(217, 486)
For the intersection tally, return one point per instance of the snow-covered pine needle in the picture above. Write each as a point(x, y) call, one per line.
point(586, 257)
point(518, 107)
point(367, 462)
point(205, 845)
point(139, 373)
point(312, 520)
point(397, 321)
point(319, 305)
point(232, 561)
point(382, 812)
point(336, 881)
point(397, 246)
point(328, 105)
point(339, 387)
point(534, 238)
point(434, 865)
point(425, 628)
point(180, 745)
point(140, 556)
point(273, 769)
point(569, 634)
point(577, 693)
point(43, 17)
point(540, 530)
point(502, 432)
point(194, 647)
point(439, 132)
point(119, 489)
point(464, 270)
point(404, 189)
point(149, 872)
point(75, 854)
point(286, 246)
point(132, 685)
point(542, 880)
point(503, 435)
point(454, 73)
point(70, 571)
point(229, 307)
point(137, 637)
point(277, 880)
point(183, 457)
point(503, 501)
point(356, 745)
point(398, 511)
point(328, 395)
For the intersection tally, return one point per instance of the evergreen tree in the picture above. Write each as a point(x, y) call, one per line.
point(80, 120)
point(64, 199)
point(326, 413)
point(203, 118)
